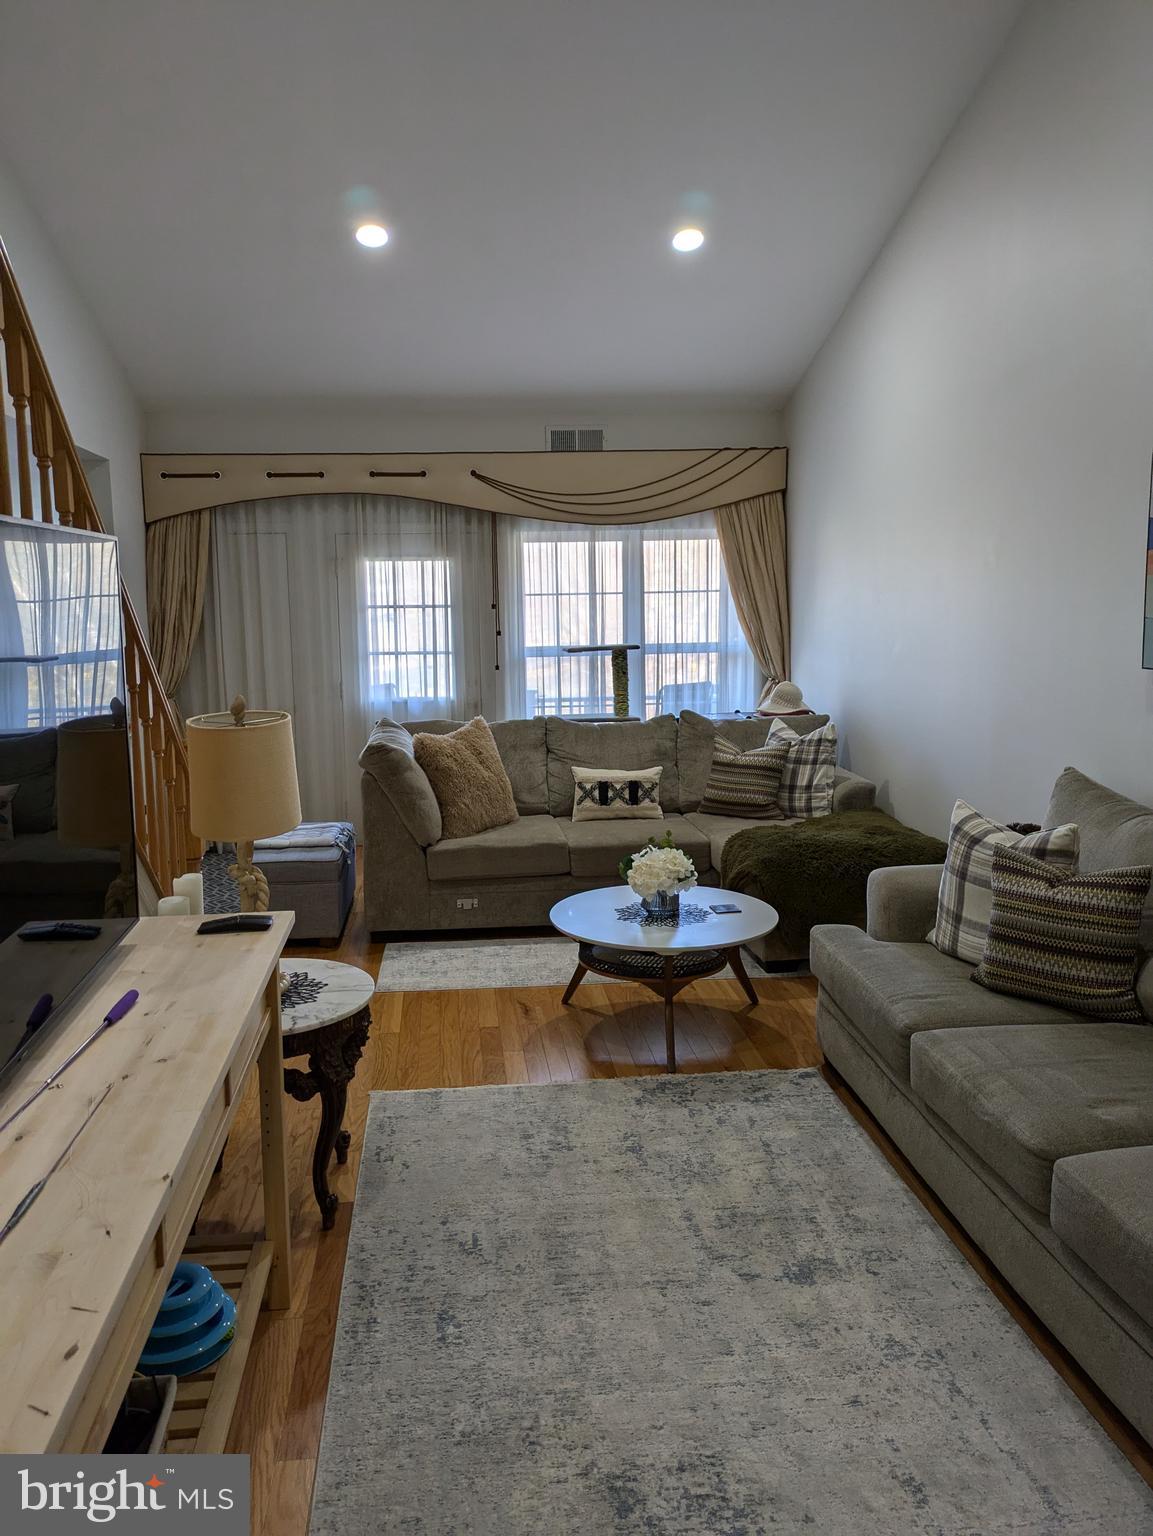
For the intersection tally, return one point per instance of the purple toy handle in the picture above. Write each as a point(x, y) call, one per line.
point(118, 1010)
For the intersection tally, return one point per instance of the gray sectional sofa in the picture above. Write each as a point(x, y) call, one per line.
point(415, 879)
point(1033, 1126)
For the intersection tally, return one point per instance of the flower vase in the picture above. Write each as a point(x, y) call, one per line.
point(662, 904)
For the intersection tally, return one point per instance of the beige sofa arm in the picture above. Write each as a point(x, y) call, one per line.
point(851, 792)
point(902, 902)
point(396, 892)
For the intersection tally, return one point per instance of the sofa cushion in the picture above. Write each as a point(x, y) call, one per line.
point(1102, 1208)
point(1022, 1098)
point(851, 792)
point(1115, 831)
point(718, 830)
point(696, 735)
point(894, 991)
point(8, 793)
point(532, 845)
point(28, 758)
point(390, 758)
point(39, 865)
point(619, 743)
point(521, 744)
point(597, 847)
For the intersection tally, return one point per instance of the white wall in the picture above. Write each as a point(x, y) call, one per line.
point(357, 426)
point(970, 451)
point(101, 409)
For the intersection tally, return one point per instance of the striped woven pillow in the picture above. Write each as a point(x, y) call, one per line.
point(809, 775)
point(745, 783)
point(964, 899)
point(1070, 940)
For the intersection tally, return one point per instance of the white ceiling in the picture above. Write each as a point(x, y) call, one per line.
point(195, 164)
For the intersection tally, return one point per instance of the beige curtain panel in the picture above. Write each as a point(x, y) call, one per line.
point(752, 539)
point(177, 570)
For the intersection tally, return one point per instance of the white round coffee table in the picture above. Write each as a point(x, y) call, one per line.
point(324, 1015)
point(617, 938)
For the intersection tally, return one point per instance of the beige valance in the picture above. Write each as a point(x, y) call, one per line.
point(621, 486)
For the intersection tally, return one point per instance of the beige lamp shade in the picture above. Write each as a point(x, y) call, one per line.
point(242, 778)
point(93, 788)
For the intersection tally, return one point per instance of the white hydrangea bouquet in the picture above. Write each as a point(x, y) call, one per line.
point(658, 873)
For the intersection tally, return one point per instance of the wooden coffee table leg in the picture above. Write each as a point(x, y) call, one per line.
point(670, 1031)
point(333, 1096)
point(577, 977)
point(738, 969)
point(333, 1053)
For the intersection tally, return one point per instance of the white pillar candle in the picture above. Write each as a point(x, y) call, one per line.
point(192, 886)
point(172, 906)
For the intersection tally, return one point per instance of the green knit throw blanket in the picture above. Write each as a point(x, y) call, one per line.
point(816, 871)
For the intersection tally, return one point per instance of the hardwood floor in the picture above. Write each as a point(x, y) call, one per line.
point(459, 1039)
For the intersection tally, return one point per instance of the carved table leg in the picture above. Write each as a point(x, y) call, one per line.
point(333, 1053)
point(333, 1096)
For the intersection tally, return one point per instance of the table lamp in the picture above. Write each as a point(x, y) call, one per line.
point(242, 786)
point(94, 796)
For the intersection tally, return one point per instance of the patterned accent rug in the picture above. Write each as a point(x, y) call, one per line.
point(220, 892)
point(680, 1306)
point(460, 965)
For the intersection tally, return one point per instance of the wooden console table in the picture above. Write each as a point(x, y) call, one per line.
point(82, 1275)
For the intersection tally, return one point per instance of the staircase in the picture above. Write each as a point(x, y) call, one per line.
point(50, 484)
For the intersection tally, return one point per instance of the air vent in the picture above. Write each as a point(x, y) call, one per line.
point(576, 439)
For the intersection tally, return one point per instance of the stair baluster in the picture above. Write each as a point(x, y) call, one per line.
point(164, 843)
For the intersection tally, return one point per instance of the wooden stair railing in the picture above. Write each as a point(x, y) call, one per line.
point(59, 492)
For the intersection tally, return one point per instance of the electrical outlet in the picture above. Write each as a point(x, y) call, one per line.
point(467, 903)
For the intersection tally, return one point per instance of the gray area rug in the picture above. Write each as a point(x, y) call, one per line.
point(673, 1306)
point(459, 965)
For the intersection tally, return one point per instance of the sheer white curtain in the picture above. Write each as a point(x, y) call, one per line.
point(659, 585)
point(341, 609)
point(59, 598)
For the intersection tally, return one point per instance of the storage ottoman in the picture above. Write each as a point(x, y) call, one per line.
point(311, 871)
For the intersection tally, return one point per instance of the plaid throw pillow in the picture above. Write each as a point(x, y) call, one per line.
point(745, 783)
point(1070, 940)
point(807, 777)
point(965, 898)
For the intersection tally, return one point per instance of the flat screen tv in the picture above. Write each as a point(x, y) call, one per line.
point(67, 849)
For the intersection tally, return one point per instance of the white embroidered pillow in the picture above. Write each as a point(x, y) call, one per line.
point(610, 794)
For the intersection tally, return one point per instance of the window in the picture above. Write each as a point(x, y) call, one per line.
point(660, 586)
point(408, 611)
point(682, 628)
point(572, 595)
point(65, 598)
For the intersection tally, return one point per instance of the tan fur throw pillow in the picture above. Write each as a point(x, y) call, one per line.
point(467, 778)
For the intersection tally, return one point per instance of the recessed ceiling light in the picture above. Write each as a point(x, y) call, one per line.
point(690, 239)
point(375, 235)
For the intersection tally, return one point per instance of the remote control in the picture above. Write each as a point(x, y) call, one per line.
point(58, 933)
point(238, 922)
